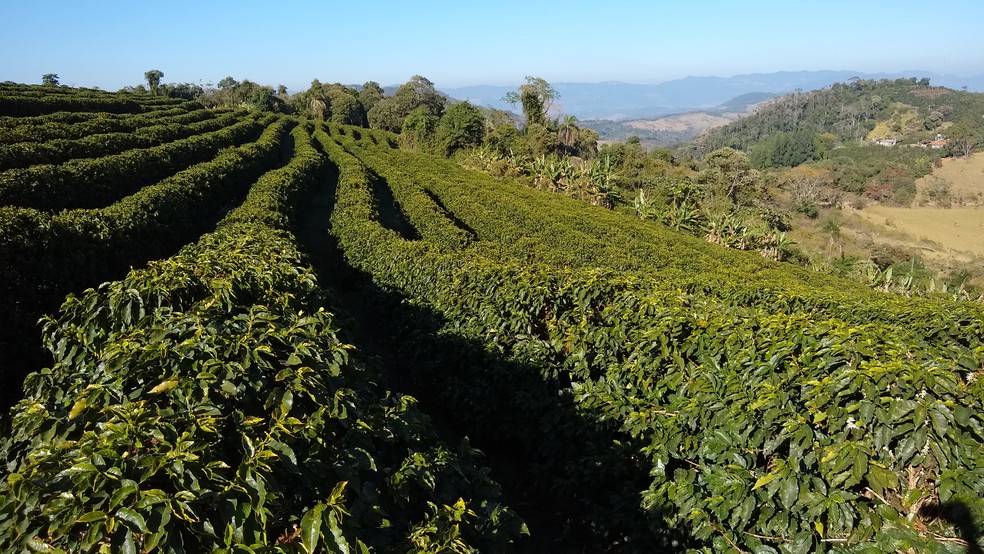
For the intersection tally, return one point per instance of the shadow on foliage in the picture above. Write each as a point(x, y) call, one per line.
point(575, 481)
point(960, 515)
point(34, 282)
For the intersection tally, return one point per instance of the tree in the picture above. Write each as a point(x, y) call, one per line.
point(727, 171)
point(188, 91)
point(227, 84)
point(965, 136)
point(568, 132)
point(345, 107)
point(420, 92)
point(461, 126)
point(49, 79)
point(370, 94)
point(535, 97)
point(417, 132)
point(390, 112)
point(386, 114)
point(153, 77)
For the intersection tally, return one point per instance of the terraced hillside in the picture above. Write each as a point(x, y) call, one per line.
point(633, 389)
point(207, 400)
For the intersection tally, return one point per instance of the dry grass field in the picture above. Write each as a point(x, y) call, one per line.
point(945, 235)
point(956, 232)
point(963, 176)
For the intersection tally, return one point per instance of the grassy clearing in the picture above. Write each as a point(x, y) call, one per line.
point(963, 176)
point(958, 232)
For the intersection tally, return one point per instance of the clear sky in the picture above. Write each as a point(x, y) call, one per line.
point(110, 44)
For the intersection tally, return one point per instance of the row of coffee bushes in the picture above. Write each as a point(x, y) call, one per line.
point(428, 217)
point(542, 228)
point(20, 101)
point(206, 403)
point(76, 125)
point(95, 182)
point(763, 431)
point(57, 151)
point(48, 255)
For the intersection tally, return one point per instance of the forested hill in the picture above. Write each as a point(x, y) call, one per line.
point(903, 110)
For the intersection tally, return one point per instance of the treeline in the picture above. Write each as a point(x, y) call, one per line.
point(836, 128)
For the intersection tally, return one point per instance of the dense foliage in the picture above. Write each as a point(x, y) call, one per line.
point(771, 419)
point(839, 124)
point(218, 409)
point(637, 389)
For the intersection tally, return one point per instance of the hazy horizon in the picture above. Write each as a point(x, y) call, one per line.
point(110, 45)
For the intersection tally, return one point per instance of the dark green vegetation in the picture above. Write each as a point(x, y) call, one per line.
point(835, 128)
point(633, 389)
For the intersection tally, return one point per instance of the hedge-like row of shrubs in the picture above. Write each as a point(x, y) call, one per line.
point(48, 255)
point(32, 101)
point(94, 182)
point(217, 410)
point(76, 125)
point(763, 431)
point(542, 228)
point(58, 151)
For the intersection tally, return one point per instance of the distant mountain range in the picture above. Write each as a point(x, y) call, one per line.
point(616, 100)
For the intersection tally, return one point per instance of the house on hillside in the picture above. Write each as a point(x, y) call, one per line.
point(886, 142)
point(937, 144)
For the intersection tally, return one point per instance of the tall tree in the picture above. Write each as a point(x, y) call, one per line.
point(420, 92)
point(567, 134)
point(418, 129)
point(153, 77)
point(49, 79)
point(535, 97)
point(461, 126)
point(345, 107)
point(228, 83)
point(965, 136)
point(370, 94)
point(727, 171)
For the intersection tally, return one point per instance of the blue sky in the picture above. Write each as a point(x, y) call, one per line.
point(111, 44)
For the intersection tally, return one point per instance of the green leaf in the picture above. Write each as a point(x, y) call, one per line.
point(77, 408)
point(340, 545)
point(164, 386)
point(940, 422)
point(134, 520)
point(35, 545)
point(311, 528)
point(123, 490)
point(802, 543)
point(764, 480)
point(128, 547)
point(92, 516)
point(337, 494)
point(789, 492)
point(286, 403)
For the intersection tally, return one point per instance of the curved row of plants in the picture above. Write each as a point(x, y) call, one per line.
point(541, 228)
point(48, 255)
point(94, 182)
point(59, 151)
point(221, 412)
point(764, 431)
point(76, 125)
point(32, 101)
point(429, 219)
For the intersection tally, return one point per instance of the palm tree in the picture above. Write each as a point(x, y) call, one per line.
point(567, 133)
point(318, 108)
point(154, 77)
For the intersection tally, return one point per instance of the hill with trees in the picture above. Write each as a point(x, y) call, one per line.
point(277, 325)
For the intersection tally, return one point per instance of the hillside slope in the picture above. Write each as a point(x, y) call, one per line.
point(633, 389)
